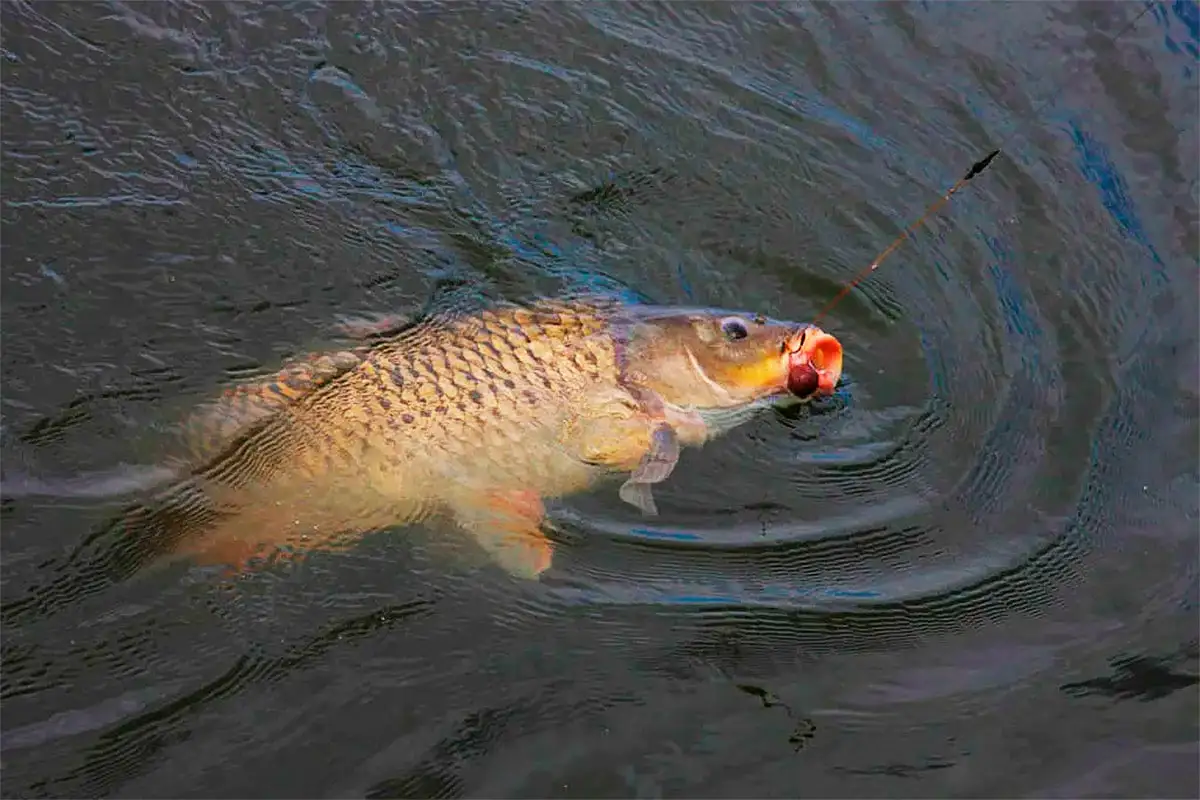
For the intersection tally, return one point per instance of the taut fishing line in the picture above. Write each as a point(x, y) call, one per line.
point(976, 168)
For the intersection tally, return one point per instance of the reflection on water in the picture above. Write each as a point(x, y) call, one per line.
point(985, 541)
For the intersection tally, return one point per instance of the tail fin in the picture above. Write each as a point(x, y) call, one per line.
point(141, 534)
point(122, 480)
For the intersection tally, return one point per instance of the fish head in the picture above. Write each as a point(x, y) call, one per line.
point(713, 359)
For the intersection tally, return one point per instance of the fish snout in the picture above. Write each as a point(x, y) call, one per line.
point(814, 363)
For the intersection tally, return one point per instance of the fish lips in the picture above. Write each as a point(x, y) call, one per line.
point(814, 363)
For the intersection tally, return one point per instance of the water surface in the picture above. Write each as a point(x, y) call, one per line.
point(973, 572)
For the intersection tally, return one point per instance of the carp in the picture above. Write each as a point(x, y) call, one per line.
point(479, 415)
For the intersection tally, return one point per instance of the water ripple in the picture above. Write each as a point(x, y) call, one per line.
point(1002, 487)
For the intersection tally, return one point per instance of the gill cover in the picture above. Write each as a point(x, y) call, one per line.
point(702, 359)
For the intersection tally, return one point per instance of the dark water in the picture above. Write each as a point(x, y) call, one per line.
point(971, 573)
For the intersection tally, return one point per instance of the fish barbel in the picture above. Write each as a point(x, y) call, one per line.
point(480, 416)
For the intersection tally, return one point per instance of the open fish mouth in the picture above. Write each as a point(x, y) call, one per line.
point(814, 362)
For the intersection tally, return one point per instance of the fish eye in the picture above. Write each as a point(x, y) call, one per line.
point(734, 329)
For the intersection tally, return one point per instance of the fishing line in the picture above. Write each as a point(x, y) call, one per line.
point(976, 168)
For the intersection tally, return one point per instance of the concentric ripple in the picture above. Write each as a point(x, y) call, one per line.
point(892, 490)
point(1002, 487)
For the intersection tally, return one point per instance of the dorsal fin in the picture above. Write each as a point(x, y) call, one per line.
point(210, 427)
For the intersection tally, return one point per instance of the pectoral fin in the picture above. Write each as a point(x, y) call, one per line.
point(655, 467)
point(611, 432)
point(367, 326)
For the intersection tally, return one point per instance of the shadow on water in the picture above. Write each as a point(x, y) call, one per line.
point(973, 570)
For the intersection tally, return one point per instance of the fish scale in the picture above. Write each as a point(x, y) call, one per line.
point(216, 423)
point(431, 393)
point(480, 416)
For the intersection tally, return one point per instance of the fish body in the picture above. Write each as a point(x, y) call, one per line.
point(481, 416)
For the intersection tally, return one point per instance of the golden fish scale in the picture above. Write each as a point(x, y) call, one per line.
point(480, 402)
point(479, 416)
point(211, 426)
